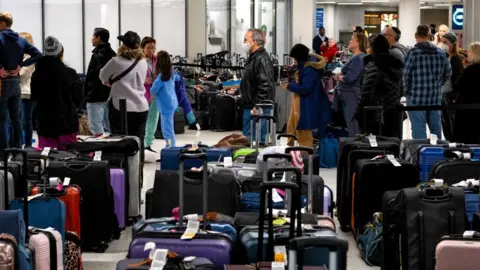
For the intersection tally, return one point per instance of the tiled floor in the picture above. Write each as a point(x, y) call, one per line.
point(118, 249)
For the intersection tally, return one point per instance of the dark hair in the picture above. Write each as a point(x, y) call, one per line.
point(300, 52)
point(359, 30)
point(164, 65)
point(102, 33)
point(398, 33)
point(379, 44)
point(362, 41)
point(147, 40)
point(423, 30)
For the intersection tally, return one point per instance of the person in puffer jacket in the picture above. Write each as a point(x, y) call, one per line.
point(183, 102)
point(380, 86)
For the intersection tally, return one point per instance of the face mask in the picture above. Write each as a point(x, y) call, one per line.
point(444, 47)
point(246, 47)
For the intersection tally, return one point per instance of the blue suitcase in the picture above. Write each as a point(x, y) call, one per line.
point(169, 157)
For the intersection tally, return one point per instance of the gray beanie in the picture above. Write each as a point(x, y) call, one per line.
point(52, 46)
point(451, 37)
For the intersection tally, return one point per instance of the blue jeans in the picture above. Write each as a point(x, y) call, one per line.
point(10, 106)
point(27, 112)
point(168, 130)
point(98, 117)
point(420, 120)
point(246, 125)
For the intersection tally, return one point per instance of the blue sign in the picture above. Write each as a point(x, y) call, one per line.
point(457, 17)
point(319, 19)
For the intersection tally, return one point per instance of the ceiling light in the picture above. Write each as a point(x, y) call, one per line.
point(327, 2)
point(349, 4)
point(442, 5)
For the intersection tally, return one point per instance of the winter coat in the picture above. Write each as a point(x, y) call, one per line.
point(398, 51)
point(57, 90)
point(12, 50)
point(258, 79)
point(329, 52)
point(94, 89)
point(317, 44)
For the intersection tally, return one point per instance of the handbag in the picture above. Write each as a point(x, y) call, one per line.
point(370, 242)
point(111, 81)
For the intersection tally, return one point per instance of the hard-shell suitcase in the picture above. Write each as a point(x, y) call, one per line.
point(458, 252)
point(11, 189)
point(353, 149)
point(222, 112)
point(169, 157)
point(117, 181)
point(336, 248)
point(8, 249)
point(48, 247)
point(409, 149)
point(460, 168)
point(197, 264)
point(216, 247)
point(374, 177)
point(15, 168)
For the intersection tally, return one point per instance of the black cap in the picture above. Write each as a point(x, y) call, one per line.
point(130, 39)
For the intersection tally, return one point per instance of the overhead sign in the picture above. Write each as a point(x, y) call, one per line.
point(457, 17)
point(319, 19)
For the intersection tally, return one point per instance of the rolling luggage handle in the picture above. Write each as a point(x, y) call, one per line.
point(187, 155)
point(271, 129)
point(310, 175)
point(298, 245)
point(266, 157)
point(123, 116)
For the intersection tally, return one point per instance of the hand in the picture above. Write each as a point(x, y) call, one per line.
point(148, 81)
point(15, 72)
point(340, 78)
point(295, 77)
point(108, 84)
point(3, 73)
point(254, 111)
point(197, 88)
point(324, 45)
point(284, 85)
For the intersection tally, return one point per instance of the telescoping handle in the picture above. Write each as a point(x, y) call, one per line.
point(310, 152)
point(337, 247)
point(271, 129)
point(288, 136)
point(123, 116)
point(268, 187)
point(16, 153)
point(266, 157)
point(198, 155)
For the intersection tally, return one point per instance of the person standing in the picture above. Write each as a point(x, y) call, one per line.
point(442, 30)
point(397, 50)
point(27, 103)
point(427, 69)
point(320, 41)
point(12, 51)
point(96, 93)
point(148, 46)
point(258, 80)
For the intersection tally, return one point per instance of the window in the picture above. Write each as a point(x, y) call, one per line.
point(169, 26)
point(27, 17)
point(100, 13)
point(241, 22)
point(136, 16)
point(282, 30)
point(63, 20)
point(217, 26)
point(265, 20)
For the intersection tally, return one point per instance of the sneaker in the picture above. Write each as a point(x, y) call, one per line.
point(150, 149)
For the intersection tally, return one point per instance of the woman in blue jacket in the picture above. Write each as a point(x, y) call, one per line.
point(304, 110)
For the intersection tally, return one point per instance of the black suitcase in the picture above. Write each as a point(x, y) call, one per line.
point(351, 150)
point(222, 112)
point(372, 179)
point(178, 124)
point(238, 114)
point(98, 220)
point(452, 171)
point(420, 218)
point(223, 193)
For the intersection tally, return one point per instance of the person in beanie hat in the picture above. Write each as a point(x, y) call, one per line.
point(57, 91)
point(126, 74)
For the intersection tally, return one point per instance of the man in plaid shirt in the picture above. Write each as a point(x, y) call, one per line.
point(427, 68)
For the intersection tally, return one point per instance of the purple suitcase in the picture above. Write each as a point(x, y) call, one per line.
point(213, 246)
point(117, 181)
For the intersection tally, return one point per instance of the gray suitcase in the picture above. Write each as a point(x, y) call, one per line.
point(11, 189)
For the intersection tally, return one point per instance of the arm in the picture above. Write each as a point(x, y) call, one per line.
point(264, 79)
point(181, 94)
point(356, 68)
point(34, 53)
point(407, 72)
point(307, 83)
point(447, 71)
point(155, 86)
point(107, 71)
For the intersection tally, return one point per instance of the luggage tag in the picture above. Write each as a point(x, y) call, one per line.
point(227, 162)
point(152, 247)
point(372, 139)
point(278, 266)
point(280, 255)
point(54, 181)
point(394, 161)
point(188, 262)
point(159, 259)
point(44, 154)
point(29, 198)
point(433, 139)
point(97, 156)
point(191, 231)
point(276, 197)
point(192, 217)
point(437, 183)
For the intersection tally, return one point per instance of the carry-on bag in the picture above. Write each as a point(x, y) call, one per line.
point(73, 252)
point(11, 188)
point(353, 149)
point(169, 157)
point(15, 168)
point(410, 148)
point(216, 247)
point(118, 183)
point(458, 252)
point(48, 247)
point(373, 177)
point(459, 166)
point(8, 249)
point(222, 112)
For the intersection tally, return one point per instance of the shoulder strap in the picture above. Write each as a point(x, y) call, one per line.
point(123, 74)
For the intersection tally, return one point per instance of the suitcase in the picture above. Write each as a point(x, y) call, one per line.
point(336, 248)
point(98, 221)
point(8, 249)
point(216, 247)
point(409, 149)
point(48, 247)
point(169, 157)
point(458, 252)
point(353, 149)
point(15, 168)
point(178, 124)
point(36, 167)
point(197, 263)
point(222, 113)
point(5, 200)
point(421, 218)
point(117, 181)
point(472, 205)
point(73, 252)
point(121, 152)
point(71, 197)
point(452, 171)
point(431, 155)
point(371, 180)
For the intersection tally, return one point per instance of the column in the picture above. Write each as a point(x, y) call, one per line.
point(303, 21)
point(409, 19)
point(196, 27)
point(471, 22)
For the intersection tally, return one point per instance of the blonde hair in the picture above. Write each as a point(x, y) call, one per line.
point(7, 18)
point(475, 49)
point(444, 27)
point(27, 36)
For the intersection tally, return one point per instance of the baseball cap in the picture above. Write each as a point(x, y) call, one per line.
point(130, 39)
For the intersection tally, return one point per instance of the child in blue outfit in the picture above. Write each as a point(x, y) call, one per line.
point(163, 89)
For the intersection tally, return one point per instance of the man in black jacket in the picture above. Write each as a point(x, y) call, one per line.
point(258, 80)
point(319, 41)
point(96, 93)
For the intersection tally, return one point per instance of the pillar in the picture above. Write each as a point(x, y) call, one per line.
point(408, 20)
point(196, 27)
point(303, 21)
point(471, 22)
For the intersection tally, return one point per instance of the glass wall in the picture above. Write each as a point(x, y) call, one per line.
point(62, 15)
point(282, 30)
point(241, 22)
point(169, 28)
point(136, 15)
point(265, 20)
point(217, 26)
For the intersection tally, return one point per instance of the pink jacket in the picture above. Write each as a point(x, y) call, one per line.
point(150, 75)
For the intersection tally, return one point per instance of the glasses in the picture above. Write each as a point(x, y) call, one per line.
point(150, 48)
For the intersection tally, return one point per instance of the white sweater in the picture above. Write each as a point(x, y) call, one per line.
point(25, 78)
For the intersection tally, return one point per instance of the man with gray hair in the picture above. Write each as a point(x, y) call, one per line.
point(397, 50)
point(258, 80)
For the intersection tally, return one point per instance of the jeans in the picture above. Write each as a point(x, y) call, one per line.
point(246, 125)
point(10, 106)
point(420, 120)
point(168, 130)
point(152, 123)
point(98, 118)
point(27, 122)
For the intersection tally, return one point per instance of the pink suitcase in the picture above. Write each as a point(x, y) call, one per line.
point(117, 181)
point(458, 252)
point(48, 248)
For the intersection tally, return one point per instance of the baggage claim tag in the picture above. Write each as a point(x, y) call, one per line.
point(45, 152)
point(227, 162)
point(66, 181)
point(433, 139)
point(275, 196)
point(280, 255)
point(372, 139)
point(152, 247)
point(394, 161)
point(159, 259)
point(191, 231)
point(97, 156)
point(278, 266)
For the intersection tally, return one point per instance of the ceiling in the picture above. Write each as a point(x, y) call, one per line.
point(440, 4)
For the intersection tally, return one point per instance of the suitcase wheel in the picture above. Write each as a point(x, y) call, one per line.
point(101, 248)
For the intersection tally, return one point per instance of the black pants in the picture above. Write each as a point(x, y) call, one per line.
point(392, 125)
